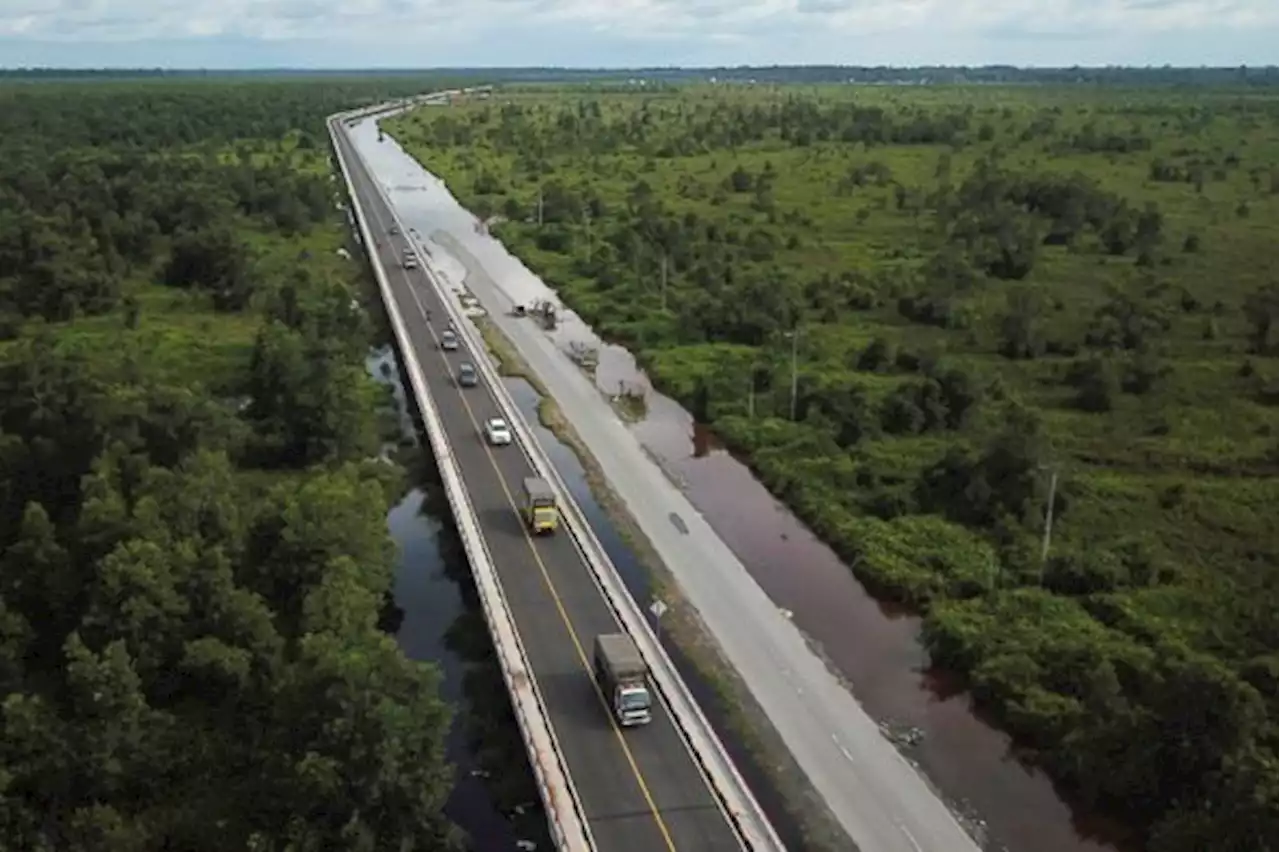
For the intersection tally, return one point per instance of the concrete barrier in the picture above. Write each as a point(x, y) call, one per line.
point(569, 829)
point(753, 826)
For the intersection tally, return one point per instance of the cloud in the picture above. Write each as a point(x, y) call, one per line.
point(354, 33)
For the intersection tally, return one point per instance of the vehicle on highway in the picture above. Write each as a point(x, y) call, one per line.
point(410, 263)
point(540, 510)
point(497, 432)
point(621, 672)
point(449, 340)
point(394, 230)
point(467, 375)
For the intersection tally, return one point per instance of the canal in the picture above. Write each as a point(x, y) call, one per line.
point(437, 619)
point(873, 648)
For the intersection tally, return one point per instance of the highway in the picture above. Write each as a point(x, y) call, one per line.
point(641, 789)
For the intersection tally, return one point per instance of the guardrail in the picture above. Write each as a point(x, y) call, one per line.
point(569, 829)
point(753, 826)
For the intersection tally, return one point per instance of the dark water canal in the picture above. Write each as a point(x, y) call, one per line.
point(494, 798)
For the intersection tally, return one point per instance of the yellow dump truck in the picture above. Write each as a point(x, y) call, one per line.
point(540, 510)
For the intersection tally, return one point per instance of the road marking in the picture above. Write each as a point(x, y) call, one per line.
point(908, 835)
point(542, 566)
point(843, 750)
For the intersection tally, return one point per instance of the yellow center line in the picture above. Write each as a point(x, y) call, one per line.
point(546, 575)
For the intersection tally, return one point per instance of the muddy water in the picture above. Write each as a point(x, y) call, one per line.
point(877, 651)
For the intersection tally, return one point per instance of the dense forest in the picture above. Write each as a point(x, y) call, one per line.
point(1005, 306)
point(194, 558)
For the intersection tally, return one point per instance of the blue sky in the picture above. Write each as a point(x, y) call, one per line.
point(619, 33)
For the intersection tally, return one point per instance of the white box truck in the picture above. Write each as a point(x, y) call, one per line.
point(622, 675)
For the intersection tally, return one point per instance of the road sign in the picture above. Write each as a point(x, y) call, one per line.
point(658, 608)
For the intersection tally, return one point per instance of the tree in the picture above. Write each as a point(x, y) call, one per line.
point(215, 261)
point(1261, 309)
point(1019, 332)
point(1098, 386)
point(309, 403)
point(151, 693)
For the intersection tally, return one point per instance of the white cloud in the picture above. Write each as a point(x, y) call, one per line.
point(505, 32)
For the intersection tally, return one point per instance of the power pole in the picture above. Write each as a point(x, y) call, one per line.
point(1048, 524)
point(539, 207)
point(751, 395)
point(587, 215)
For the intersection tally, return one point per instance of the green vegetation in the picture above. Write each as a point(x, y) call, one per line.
point(995, 298)
point(193, 548)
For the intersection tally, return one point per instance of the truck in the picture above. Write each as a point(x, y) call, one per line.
point(540, 510)
point(622, 675)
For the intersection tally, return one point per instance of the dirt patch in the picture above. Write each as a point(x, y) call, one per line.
point(683, 626)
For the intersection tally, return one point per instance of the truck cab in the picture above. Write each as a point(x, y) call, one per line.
point(622, 675)
point(540, 509)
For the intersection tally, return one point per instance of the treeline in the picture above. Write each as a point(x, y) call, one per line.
point(149, 115)
point(194, 562)
point(995, 292)
point(938, 75)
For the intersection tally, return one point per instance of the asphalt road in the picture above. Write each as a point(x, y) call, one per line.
point(881, 800)
point(640, 789)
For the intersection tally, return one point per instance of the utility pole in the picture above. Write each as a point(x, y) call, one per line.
point(795, 368)
point(1048, 523)
point(587, 215)
point(664, 281)
point(539, 207)
point(751, 396)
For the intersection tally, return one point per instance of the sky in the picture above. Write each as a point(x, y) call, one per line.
point(220, 34)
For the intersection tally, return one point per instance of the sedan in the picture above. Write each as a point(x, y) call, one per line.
point(496, 431)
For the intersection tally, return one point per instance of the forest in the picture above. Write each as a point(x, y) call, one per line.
point(194, 557)
point(1033, 336)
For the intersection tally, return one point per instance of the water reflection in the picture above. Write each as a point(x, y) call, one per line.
point(436, 618)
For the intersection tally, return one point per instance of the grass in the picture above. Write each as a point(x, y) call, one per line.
point(1203, 419)
point(777, 208)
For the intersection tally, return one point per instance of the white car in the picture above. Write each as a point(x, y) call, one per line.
point(497, 432)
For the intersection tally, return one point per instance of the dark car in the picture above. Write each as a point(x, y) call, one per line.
point(467, 376)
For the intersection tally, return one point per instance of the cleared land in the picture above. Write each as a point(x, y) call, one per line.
point(993, 289)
